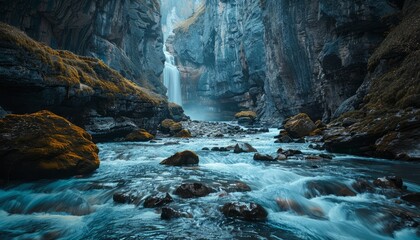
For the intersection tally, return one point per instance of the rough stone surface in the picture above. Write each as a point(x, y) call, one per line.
point(182, 158)
point(157, 200)
point(193, 190)
point(44, 145)
point(125, 35)
point(386, 123)
point(299, 126)
point(82, 89)
point(279, 57)
point(249, 212)
point(140, 135)
point(263, 157)
point(244, 148)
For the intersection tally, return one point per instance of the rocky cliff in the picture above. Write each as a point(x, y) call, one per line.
point(126, 35)
point(280, 57)
point(82, 89)
point(220, 53)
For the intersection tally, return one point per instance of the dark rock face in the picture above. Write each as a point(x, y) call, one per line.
point(81, 89)
point(244, 148)
point(220, 56)
point(157, 201)
point(170, 213)
point(44, 145)
point(386, 121)
point(249, 212)
point(279, 57)
point(193, 190)
point(125, 35)
point(181, 159)
point(263, 157)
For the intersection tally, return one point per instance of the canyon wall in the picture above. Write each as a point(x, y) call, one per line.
point(126, 35)
point(279, 57)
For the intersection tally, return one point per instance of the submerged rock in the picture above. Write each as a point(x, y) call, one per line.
point(193, 190)
point(237, 187)
point(244, 147)
point(389, 182)
point(263, 157)
point(125, 197)
point(44, 145)
point(245, 211)
point(170, 213)
point(140, 135)
point(181, 159)
point(157, 200)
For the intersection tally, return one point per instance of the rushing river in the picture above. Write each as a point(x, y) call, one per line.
point(83, 208)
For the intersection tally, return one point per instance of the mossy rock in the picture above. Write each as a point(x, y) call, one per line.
point(165, 125)
point(44, 145)
point(246, 114)
point(184, 133)
point(140, 135)
point(299, 126)
point(181, 159)
point(175, 128)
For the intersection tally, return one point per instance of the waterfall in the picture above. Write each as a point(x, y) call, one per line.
point(171, 79)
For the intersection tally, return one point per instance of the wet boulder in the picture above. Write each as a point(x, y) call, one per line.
point(165, 126)
point(299, 126)
point(125, 197)
point(263, 157)
point(245, 211)
point(184, 133)
point(392, 182)
point(140, 135)
point(362, 185)
point(244, 147)
point(246, 118)
point(181, 159)
point(193, 190)
point(157, 200)
point(292, 152)
point(318, 188)
point(220, 149)
point(44, 145)
point(170, 213)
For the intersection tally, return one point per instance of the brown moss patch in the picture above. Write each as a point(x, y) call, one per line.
point(248, 114)
point(140, 135)
point(44, 145)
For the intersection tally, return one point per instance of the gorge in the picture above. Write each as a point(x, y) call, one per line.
point(209, 119)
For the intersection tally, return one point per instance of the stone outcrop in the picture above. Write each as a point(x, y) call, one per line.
point(44, 145)
point(299, 126)
point(279, 57)
point(125, 35)
point(385, 120)
point(84, 90)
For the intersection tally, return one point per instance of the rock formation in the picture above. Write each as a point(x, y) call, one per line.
point(82, 89)
point(279, 57)
point(44, 145)
point(125, 35)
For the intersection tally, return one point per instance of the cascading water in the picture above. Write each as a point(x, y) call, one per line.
point(171, 79)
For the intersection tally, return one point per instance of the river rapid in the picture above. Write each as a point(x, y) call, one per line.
point(305, 199)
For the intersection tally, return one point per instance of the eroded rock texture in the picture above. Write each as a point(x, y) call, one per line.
point(126, 35)
point(279, 57)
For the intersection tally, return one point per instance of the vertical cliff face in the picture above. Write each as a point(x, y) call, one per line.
point(220, 54)
point(126, 35)
point(280, 57)
point(317, 51)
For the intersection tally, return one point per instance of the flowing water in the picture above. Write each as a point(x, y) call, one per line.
point(171, 79)
point(303, 202)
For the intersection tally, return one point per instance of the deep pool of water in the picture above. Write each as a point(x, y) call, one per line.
point(83, 208)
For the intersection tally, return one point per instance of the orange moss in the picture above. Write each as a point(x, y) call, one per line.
point(249, 114)
point(67, 69)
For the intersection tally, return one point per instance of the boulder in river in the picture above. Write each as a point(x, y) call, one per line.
point(244, 147)
point(157, 200)
point(245, 211)
point(413, 198)
point(393, 182)
point(299, 126)
point(170, 213)
point(184, 133)
point(140, 135)
point(193, 190)
point(263, 157)
point(237, 187)
point(44, 145)
point(125, 197)
point(181, 159)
